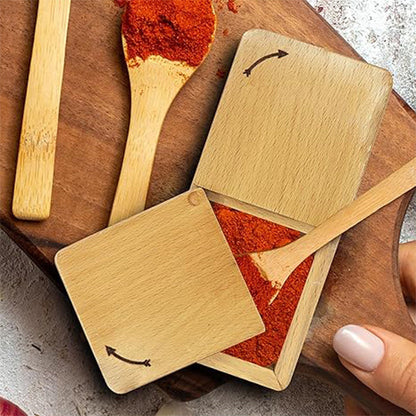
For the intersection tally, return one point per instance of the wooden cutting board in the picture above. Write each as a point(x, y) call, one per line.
point(93, 126)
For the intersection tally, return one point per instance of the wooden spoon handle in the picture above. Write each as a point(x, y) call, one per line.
point(148, 110)
point(35, 162)
point(395, 185)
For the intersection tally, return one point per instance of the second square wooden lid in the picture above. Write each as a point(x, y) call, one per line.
point(158, 292)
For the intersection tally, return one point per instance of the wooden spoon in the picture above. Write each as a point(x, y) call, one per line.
point(154, 84)
point(278, 264)
point(36, 159)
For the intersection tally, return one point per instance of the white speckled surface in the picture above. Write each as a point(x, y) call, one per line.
point(62, 378)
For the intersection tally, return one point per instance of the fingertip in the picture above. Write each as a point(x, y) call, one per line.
point(359, 347)
point(394, 376)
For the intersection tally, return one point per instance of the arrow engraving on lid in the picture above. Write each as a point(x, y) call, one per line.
point(278, 54)
point(112, 351)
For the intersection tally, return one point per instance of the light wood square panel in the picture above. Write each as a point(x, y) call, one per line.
point(158, 292)
point(289, 143)
point(293, 131)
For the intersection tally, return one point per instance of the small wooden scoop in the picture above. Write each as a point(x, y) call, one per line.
point(278, 264)
point(35, 163)
point(154, 84)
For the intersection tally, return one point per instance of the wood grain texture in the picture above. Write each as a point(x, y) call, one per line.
point(154, 84)
point(292, 136)
point(295, 135)
point(279, 263)
point(94, 119)
point(151, 288)
point(279, 375)
point(36, 159)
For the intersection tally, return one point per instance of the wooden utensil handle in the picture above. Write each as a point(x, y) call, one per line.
point(395, 185)
point(364, 279)
point(35, 163)
point(146, 118)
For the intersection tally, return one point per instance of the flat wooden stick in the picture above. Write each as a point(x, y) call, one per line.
point(35, 163)
point(278, 264)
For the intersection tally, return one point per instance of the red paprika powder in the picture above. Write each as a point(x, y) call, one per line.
point(232, 7)
point(248, 234)
point(230, 4)
point(178, 30)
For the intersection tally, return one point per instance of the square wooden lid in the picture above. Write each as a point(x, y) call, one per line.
point(294, 127)
point(158, 292)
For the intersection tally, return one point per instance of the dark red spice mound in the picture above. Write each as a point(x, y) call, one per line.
point(247, 234)
point(178, 30)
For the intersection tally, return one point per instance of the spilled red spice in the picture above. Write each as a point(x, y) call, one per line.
point(178, 30)
point(232, 7)
point(221, 73)
point(247, 234)
point(230, 4)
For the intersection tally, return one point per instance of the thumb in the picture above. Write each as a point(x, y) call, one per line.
point(383, 361)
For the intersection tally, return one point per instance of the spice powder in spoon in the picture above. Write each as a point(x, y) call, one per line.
point(182, 30)
point(247, 234)
point(178, 30)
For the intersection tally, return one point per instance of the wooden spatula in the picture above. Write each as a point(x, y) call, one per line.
point(154, 84)
point(35, 163)
point(277, 265)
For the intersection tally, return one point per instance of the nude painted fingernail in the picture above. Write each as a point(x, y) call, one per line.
point(359, 347)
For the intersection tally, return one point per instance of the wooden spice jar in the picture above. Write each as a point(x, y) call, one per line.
point(289, 144)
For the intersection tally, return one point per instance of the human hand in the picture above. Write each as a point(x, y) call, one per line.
point(382, 360)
